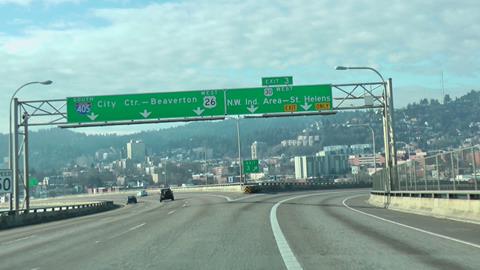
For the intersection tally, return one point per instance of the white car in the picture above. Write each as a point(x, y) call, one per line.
point(142, 193)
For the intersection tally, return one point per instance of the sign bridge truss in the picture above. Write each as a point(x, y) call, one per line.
point(260, 102)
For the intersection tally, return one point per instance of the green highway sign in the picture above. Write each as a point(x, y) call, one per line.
point(206, 103)
point(33, 182)
point(251, 166)
point(196, 104)
point(279, 99)
point(269, 81)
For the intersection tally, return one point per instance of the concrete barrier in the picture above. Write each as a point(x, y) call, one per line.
point(441, 206)
point(47, 214)
point(213, 188)
point(269, 187)
point(298, 186)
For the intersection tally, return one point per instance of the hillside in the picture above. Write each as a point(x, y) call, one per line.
point(428, 124)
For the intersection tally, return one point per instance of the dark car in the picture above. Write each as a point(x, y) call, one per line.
point(131, 199)
point(165, 194)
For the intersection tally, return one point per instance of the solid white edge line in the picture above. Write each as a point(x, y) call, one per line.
point(407, 226)
point(286, 252)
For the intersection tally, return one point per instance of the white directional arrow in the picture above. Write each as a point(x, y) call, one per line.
point(198, 111)
point(145, 113)
point(252, 108)
point(92, 116)
point(306, 106)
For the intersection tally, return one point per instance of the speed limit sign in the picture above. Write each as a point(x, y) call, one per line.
point(6, 181)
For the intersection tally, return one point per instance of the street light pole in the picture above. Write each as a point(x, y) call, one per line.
point(388, 128)
point(13, 151)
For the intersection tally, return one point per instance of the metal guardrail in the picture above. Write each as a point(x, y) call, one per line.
point(57, 208)
point(453, 170)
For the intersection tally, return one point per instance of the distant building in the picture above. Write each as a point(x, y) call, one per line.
point(202, 153)
point(54, 180)
point(136, 151)
point(331, 162)
point(361, 149)
point(304, 167)
point(258, 150)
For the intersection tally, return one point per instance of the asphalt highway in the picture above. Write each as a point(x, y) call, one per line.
point(297, 230)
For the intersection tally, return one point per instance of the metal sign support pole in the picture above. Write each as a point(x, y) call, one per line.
point(15, 156)
point(25, 162)
point(239, 151)
point(391, 130)
point(386, 139)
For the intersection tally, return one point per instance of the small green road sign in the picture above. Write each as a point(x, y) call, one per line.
point(279, 99)
point(33, 182)
point(186, 104)
point(251, 166)
point(285, 80)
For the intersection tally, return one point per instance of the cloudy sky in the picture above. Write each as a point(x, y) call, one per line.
point(121, 46)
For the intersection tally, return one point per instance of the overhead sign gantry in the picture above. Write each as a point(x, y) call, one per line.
point(277, 97)
point(202, 103)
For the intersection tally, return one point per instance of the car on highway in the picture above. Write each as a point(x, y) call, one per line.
point(165, 194)
point(131, 199)
point(142, 193)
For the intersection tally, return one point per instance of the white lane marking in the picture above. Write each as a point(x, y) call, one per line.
point(219, 196)
point(96, 242)
point(19, 239)
point(407, 226)
point(136, 227)
point(127, 231)
point(286, 252)
point(171, 212)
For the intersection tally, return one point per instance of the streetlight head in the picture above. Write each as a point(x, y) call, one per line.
point(47, 82)
point(341, 68)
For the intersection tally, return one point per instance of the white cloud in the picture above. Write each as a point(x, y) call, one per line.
point(16, 2)
point(212, 44)
point(59, 2)
point(45, 2)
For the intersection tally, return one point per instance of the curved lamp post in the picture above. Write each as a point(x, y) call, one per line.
point(11, 151)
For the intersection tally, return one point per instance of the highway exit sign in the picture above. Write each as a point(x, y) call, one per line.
point(283, 99)
point(178, 106)
point(205, 103)
point(285, 80)
point(251, 166)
